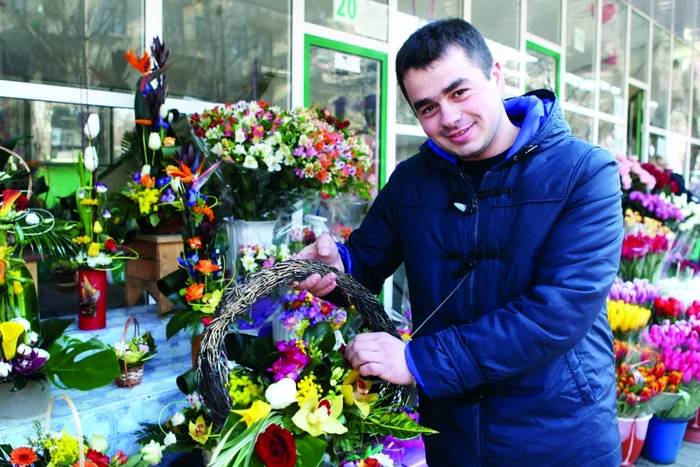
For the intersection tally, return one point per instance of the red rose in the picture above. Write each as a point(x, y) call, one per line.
point(111, 245)
point(99, 459)
point(372, 462)
point(276, 447)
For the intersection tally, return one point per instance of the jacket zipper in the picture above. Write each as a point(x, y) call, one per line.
point(476, 408)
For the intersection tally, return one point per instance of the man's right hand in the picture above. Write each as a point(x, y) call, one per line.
point(325, 250)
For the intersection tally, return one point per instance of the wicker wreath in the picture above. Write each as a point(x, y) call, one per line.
point(213, 373)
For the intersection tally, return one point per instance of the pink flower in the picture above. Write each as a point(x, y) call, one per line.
point(291, 363)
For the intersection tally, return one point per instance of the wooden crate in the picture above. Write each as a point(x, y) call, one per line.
point(157, 258)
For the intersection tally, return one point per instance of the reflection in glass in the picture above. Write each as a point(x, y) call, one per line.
point(47, 41)
point(502, 34)
point(658, 105)
point(696, 97)
point(350, 87)
point(431, 10)
point(643, 5)
point(694, 175)
point(580, 54)
point(676, 154)
point(663, 13)
point(404, 112)
point(407, 146)
point(229, 51)
point(612, 60)
point(639, 47)
point(657, 146)
point(680, 88)
point(544, 19)
point(369, 18)
point(581, 126)
point(540, 71)
point(611, 137)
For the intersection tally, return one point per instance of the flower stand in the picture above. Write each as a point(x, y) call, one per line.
point(633, 432)
point(92, 300)
point(664, 440)
point(157, 258)
point(692, 433)
point(25, 405)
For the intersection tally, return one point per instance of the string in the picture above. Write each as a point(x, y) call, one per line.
point(440, 305)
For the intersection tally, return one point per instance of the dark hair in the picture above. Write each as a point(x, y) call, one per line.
point(432, 41)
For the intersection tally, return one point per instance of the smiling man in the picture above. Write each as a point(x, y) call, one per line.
point(516, 226)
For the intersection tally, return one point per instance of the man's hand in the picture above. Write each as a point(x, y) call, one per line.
point(379, 354)
point(325, 250)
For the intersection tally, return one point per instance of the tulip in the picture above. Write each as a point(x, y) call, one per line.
point(92, 127)
point(90, 159)
point(97, 227)
point(154, 141)
point(145, 171)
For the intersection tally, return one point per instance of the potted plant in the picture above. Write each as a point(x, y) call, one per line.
point(64, 275)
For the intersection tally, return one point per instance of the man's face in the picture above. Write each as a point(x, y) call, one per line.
point(458, 108)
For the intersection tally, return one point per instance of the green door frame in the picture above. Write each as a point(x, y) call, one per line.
point(640, 121)
point(550, 53)
point(382, 58)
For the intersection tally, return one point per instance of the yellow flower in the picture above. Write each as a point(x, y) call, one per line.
point(89, 202)
point(320, 417)
point(199, 430)
point(81, 240)
point(10, 332)
point(17, 287)
point(355, 391)
point(94, 249)
point(168, 141)
point(624, 317)
point(307, 386)
point(255, 413)
point(97, 228)
point(242, 390)
point(3, 263)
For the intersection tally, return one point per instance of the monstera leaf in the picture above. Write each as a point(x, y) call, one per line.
point(74, 364)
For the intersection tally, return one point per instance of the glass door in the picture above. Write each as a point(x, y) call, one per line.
point(350, 82)
point(635, 120)
point(542, 68)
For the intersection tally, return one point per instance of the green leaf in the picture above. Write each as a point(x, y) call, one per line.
point(154, 219)
point(260, 355)
point(310, 449)
point(397, 424)
point(323, 335)
point(181, 320)
point(173, 282)
point(236, 345)
point(187, 382)
point(52, 329)
point(80, 365)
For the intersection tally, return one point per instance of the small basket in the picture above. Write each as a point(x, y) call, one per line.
point(212, 371)
point(130, 376)
point(78, 427)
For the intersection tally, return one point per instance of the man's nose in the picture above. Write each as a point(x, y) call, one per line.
point(450, 115)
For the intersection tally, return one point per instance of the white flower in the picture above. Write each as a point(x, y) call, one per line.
point(23, 322)
point(213, 133)
point(24, 350)
point(170, 439)
point(33, 338)
point(32, 219)
point(152, 453)
point(154, 141)
point(145, 170)
point(5, 369)
point(176, 184)
point(239, 149)
point(275, 138)
point(284, 252)
point(163, 111)
point(41, 353)
point(98, 442)
point(218, 149)
point(282, 393)
point(339, 341)
point(240, 135)
point(250, 162)
point(384, 460)
point(92, 127)
point(272, 250)
point(253, 107)
point(261, 255)
point(178, 419)
point(90, 159)
point(248, 263)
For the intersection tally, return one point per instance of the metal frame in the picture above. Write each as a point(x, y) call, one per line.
point(535, 47)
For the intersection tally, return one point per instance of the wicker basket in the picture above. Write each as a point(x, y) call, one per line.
point(130, 376)
point(78, 426)
point(212, 371)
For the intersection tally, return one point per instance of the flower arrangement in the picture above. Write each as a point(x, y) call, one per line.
point(655, 206)
point(300, 238)
point(255, 257)
point(341, 233)
point(61, 450)
point(643, 384)
point(372, 457)
point(296, 401)
point(689, 210)
point(633, 175)
point(643, 256)
point(679, 347)
point(199, 282)
point(188, 429)
point(664, 184)
point(636, 292)
point(136, 351)
point(301, 310)
point(95, 248)
point(668, 309)
point(684, 290)
point(276, 157)
point(624, 317)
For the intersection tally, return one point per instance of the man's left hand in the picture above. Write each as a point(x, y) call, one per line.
point(379, 354)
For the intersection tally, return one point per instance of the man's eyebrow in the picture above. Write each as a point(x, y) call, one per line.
point(454, 85)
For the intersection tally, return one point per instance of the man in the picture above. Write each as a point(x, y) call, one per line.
point(523, 222)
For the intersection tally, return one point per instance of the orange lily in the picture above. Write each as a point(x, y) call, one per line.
point(143, 64)
point(205, 266)
point(195, 243)
point(3, 263)
point(8, 200)
point(194, 292)
point(148, 181)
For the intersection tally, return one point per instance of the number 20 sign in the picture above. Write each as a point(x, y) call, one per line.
point(345, 11)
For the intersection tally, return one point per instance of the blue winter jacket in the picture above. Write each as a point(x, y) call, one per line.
point(517, 368)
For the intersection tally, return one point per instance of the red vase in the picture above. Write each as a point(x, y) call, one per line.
point(92, 300)
point(692, 433)
point(633, 432)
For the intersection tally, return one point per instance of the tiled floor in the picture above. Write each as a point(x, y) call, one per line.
point(688, 457)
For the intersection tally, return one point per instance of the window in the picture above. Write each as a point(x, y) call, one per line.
point(580, 54)
point(541, 68)
point(229, 51)
point(658, 106)
point(696, 96)
point(544, 19)
point(680, 87)
point(407, 146)
point(369, 18)
point(663, 13)
point(502, 34)
point(611, 137)
point(639, 47)
point(694, 175)
point(581, 126)
point(46, 42)
point(612, 60)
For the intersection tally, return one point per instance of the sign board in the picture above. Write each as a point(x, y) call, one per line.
point(347, 62)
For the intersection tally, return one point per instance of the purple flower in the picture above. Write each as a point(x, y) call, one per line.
point(298, 152)
point(101, 188)
point(137, 177)
point(30, 362)
point(163, 181)
point(168, 196)
point(143, 348)
point(291, 363)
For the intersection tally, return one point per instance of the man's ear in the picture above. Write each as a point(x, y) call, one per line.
point(498, 77)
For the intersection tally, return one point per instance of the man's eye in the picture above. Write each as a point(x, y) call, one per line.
point(428, 109)
point(460, 92)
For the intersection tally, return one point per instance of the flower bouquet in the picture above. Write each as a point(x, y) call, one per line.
point(255, 257)
point(636, 292)
point(296, 401)
point(643, 256)
point(668, 309)
point(664, 184)
point(633, 176)
point(132, 355)
point(624, 317)
point(372, 457)
point(657, 207)
point(301, 310)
